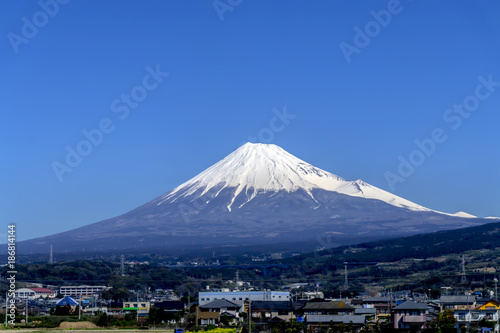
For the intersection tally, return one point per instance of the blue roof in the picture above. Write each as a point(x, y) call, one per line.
point(67, 300)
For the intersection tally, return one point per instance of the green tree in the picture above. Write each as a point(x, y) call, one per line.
point(225, 320)
point(103, 320)
point(446, 322)
point(156, 315)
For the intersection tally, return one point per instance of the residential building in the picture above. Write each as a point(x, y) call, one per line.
point(485, 311)
point(327, 308)
point(239, 297)
point(171, 306)
point(264, 311)
point(82, 291)
point(383, 305)
point(210, 313)
point(410, 316)
point(315, 322)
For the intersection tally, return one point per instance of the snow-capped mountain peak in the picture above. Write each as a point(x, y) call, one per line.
point(256, 168)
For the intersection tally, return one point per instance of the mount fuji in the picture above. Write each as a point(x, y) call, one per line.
point(259, 194)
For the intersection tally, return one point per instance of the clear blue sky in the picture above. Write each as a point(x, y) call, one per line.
point(229, 67)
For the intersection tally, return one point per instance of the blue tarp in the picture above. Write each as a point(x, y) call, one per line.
point(67, 300)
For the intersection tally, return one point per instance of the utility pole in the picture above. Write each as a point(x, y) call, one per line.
point(249, 316)
point(26, 308)
point(346, 283)
point(496, 281)
point(137, 314)
point(80, 307)
point(464, 279)
point(51, 257)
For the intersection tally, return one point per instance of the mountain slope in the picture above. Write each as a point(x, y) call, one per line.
point(258, 168)
point(258, 194)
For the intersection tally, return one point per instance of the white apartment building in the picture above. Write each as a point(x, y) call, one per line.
point(239, 297)
point(82, 291)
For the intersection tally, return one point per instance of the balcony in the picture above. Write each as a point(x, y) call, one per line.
point(414, 319)
point(475, 316)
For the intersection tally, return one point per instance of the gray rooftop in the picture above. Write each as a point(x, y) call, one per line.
point(458, 299)
point(410, 305)
point(346, 319)
point(365, 311)
point(327, 306)
point(219, 304)
point(377, 300)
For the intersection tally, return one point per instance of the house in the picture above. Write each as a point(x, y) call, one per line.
point(369, 313)
point(268, 312)
point(369, 302)
point(463, 307)
point(210, 313)
point(327, 308)
point(171, 306)
point(410, 316)
point(315, 322)
point(383, 305)
point(486, 311)
point(457, 302)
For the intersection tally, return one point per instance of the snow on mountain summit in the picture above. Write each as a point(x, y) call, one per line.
point(256, 168)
